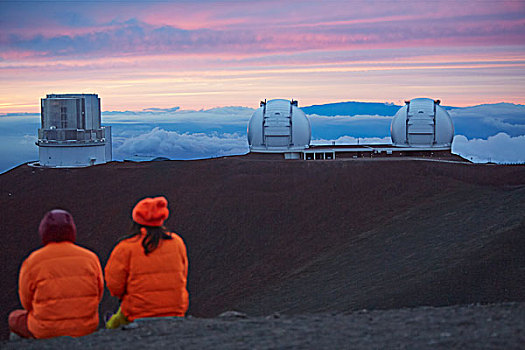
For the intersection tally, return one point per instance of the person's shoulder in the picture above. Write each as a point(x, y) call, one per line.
point(175, 236)
point(58, 250)
point(84, 251)
point(177, 239)
point(36, 256)
point(128, 245)
point(131, 240)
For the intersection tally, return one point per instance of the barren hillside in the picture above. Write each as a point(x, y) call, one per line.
point(296, 237)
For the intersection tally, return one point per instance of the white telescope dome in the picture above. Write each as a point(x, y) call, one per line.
point(278, 125)
point(422, 122)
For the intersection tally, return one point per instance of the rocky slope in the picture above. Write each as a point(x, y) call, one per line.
point(497, 326)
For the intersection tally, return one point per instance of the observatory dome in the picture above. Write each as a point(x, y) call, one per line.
point(422, 122)
point(278, 125)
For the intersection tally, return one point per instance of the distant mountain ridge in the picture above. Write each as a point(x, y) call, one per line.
point(352, 108)
point(348, 108)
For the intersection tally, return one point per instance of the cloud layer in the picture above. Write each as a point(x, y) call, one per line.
point(500, 148)
point(171, 144)
point(483, 133)
point(350, 140)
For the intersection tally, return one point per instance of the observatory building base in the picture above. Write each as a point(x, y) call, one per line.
point(72, 155)
point(333, 152)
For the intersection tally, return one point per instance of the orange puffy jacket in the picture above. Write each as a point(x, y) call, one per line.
point(152, 285)
point(61, 286)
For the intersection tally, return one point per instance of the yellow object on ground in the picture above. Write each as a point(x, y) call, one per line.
point(117, 320)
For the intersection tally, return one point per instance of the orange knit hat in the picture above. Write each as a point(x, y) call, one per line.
point(151, 211)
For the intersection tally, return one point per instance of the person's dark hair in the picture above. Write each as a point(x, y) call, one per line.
point(153, 236)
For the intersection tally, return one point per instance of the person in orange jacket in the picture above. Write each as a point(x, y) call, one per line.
point(147, 270)
point(60, 284)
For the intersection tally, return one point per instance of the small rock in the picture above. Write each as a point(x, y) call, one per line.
point(274, 315)
point(14, 337)
point(233, 314)
point(132, 325)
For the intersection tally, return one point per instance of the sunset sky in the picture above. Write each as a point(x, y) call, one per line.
point(204, 54)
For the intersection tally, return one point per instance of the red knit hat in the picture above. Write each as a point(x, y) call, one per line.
point(57, 226)
point(151, 211)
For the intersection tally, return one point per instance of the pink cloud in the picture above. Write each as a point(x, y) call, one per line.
point(137, 44)
point(135, 37)
point(221, 27)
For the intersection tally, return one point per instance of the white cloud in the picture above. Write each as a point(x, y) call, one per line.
point(350, 140)
point(173, 145)
point(489, 110)
point(486, 120)
point(500, 148)
point(504, 125)
point(347, 118)
point(214, 116)
point(27, 141)
point(189, 134)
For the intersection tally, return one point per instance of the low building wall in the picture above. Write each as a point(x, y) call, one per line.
point(72, 155)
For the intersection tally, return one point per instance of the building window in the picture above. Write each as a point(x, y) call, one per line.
point(63, 117)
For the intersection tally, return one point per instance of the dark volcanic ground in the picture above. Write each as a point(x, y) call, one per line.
point(296, 237)
point(495, 326)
